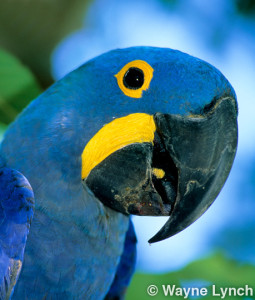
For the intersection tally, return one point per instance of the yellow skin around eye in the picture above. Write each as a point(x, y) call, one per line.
point(148, 74)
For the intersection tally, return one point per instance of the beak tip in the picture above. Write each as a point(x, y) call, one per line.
point(159, 236)
point(152, 240)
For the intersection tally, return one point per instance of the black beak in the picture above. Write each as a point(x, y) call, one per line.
point(203, 149)
point(194, 153)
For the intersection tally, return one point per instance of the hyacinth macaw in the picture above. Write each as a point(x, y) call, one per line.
point(144, 131)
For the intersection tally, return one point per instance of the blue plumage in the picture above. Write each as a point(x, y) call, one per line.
point(125, 268)
point(16, 212)
point(77, 247)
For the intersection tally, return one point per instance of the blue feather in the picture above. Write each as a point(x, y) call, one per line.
point(16, 212)
point(126, 266)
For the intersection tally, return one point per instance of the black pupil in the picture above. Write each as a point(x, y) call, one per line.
point(133, 78)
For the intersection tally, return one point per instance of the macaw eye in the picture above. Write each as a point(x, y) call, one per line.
point(134, 78)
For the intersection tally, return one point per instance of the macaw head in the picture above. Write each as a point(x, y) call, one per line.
point(170, 138)
point(153, 132)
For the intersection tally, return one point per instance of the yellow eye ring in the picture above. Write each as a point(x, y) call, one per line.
point(134, 78)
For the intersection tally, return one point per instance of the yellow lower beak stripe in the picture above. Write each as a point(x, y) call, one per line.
point(134, 128)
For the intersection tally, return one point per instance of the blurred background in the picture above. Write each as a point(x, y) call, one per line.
point(41, 41)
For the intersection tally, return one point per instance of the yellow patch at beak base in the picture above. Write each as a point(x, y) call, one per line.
point(121, 132)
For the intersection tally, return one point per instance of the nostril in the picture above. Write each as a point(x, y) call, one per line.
point(208, 107)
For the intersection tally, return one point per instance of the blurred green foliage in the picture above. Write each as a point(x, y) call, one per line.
point(17, 87)
point(31, 29)
point(2, 130)
point(246, 7)
point(217, 270)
